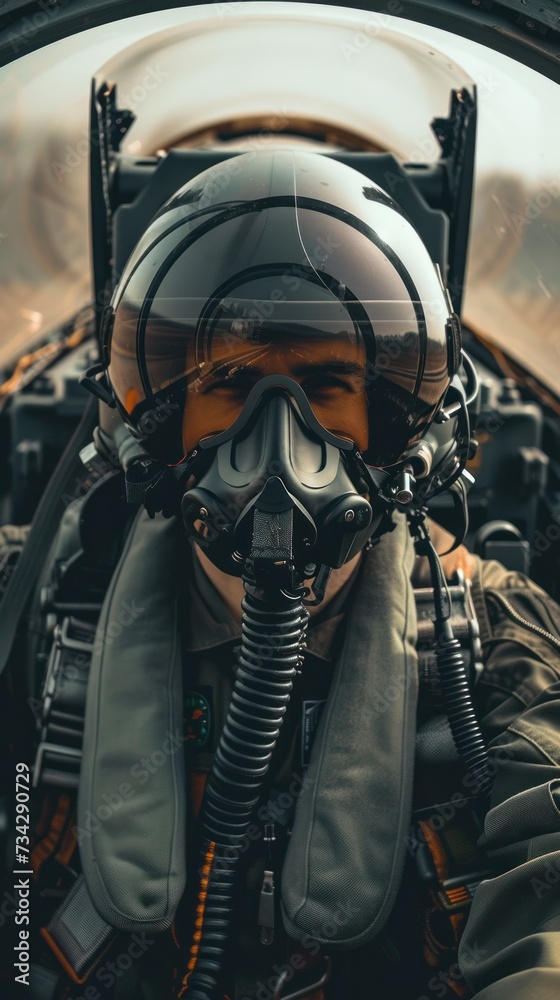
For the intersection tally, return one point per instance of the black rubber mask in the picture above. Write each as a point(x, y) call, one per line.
point(277, 456)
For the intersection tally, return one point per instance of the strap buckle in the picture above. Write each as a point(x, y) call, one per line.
point(57, 765)
point(65, 640)
point(61, 716)
point(465, 628)
point(304, 991)
point(62, 640)
point(474, 628)
point(448, 857)
point(456, 894)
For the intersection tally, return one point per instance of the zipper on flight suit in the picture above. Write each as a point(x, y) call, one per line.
point(524, 622)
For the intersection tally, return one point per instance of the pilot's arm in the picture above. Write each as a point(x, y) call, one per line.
point(511, 945)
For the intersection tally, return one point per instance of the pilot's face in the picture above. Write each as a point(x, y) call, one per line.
point(331, 371)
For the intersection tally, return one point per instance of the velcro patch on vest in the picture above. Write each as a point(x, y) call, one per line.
point(198, 717)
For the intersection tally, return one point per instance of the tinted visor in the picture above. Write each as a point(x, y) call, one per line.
point(291, 263)
point(182, 368)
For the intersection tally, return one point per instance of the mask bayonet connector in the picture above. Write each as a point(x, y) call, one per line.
point(271, 555)
point(319, 586)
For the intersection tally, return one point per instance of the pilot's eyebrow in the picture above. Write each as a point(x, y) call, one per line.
point(329, 368)
point(300, 371)
point(226, 370)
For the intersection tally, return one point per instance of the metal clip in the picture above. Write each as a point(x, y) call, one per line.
point(305, 991)
point(266, 909)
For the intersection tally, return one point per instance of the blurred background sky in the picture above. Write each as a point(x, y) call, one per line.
point(361, 79)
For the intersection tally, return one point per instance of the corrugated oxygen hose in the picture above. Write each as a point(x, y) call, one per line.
point(273, 632)
point(454, 682)
point(460, 710)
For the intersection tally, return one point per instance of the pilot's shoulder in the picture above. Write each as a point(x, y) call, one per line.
point(509, 604)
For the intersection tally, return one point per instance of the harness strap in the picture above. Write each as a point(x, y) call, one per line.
point(448, 858)
point(53, 872)
point(77, 935)
point(68, 843)
point(197, 784)
point(45, 524)
point(465, 629)
point(59, 753)
point(452, 865)
point(61, 820)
